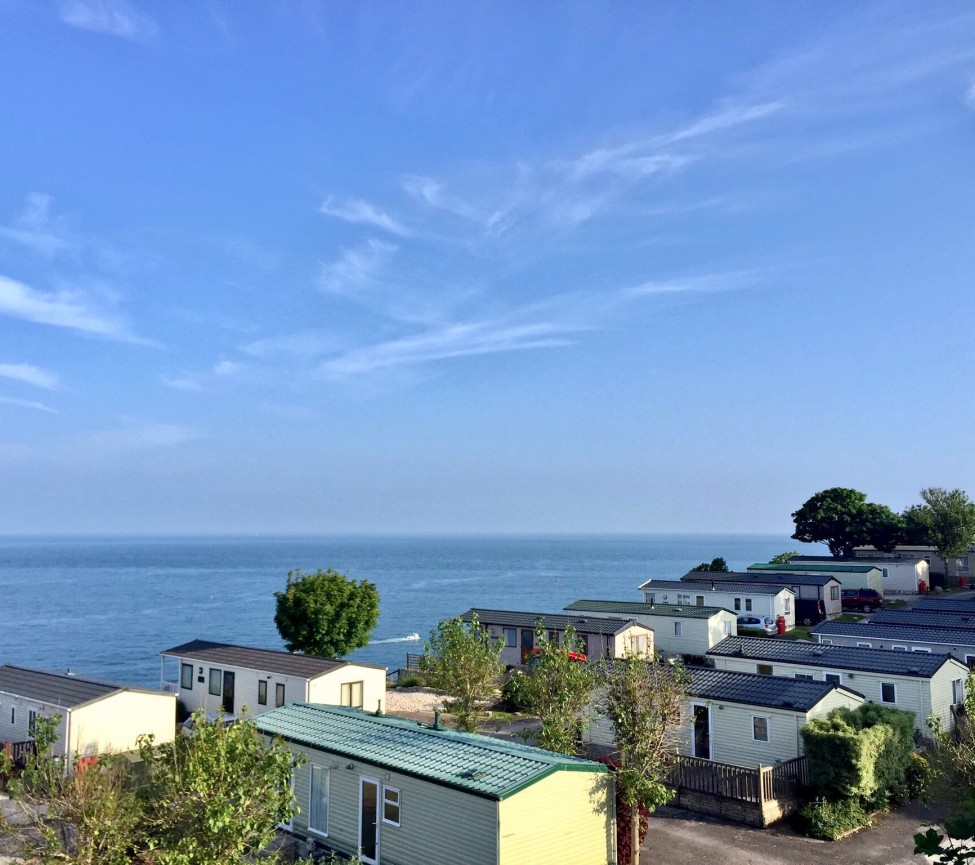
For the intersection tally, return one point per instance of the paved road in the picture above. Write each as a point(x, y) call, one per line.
point(678, 837)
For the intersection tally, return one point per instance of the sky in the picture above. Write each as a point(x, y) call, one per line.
point(481, 267)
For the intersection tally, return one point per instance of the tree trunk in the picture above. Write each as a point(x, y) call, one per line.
point(634, 835)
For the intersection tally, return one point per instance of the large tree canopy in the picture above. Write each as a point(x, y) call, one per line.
point(715, 565)
point(842, 518)
point(946, 521)
point(326, 613)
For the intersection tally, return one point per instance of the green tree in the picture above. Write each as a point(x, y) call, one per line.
point(783, 558)
point(462, 660)
point(644, 701)
point(326, 613)
point(558, 689)
point(718, 564)
point(216, 796)
point(842, 518)
point(952, 762)
point(946, 520)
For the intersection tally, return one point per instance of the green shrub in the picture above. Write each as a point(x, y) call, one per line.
point(411, 681)
point(831, 818)
point(918, 776)
point(752, 632)
point(515, 692)
point(861, 754)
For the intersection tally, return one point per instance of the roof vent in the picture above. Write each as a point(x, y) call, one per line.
point(436, 721)
point(472, 774)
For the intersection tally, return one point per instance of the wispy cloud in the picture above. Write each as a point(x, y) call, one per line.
point(28, 403)
point(434, 194)
point(69, 309)
point(357, 265)
point(29, 374)
point(112, 17)
point(363, 213)
point(36, 228)
point(462, 339)
point(726, 281)
point(187, 385)
point(227, 367)
point(302, 345)
point(970, 96)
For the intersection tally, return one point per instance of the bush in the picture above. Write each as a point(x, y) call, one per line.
point(515, 692)
point(918, 776)
point(411, 681)
point(862, 753)
point(752, 632)
point(830, 819)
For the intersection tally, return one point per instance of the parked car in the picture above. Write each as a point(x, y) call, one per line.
point(809, 611)
point(867, 600)
point(757, 623)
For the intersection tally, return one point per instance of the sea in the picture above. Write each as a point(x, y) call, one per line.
point(106, 606)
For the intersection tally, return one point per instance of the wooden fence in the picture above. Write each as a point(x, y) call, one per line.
point(764, 784)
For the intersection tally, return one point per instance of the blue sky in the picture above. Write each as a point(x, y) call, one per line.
point(481, 267)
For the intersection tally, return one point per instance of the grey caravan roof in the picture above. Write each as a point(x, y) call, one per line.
point(59, 689)
point(269, 660)
point(550, 621)
point(896, 633)
point(949, 605)
point(774, 578)
point(892, 560)
point(925, 619)
point(920, 664)
point(777, 692)
point(718, 586)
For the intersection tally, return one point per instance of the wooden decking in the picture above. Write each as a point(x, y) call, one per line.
point(758, 796)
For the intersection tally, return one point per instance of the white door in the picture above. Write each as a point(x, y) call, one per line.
point(369, 820)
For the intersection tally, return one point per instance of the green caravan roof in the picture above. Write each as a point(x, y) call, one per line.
point(812, 566)
point(639, 608)
point(479, 765)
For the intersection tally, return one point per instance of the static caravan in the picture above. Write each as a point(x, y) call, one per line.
point(220, 677)
point(97, 717)
point(806, 587)
point(597, 637)
point(899, 638)
point(928, 554)
point(932, 603)
point(926, 684)
point(741, 598)
point(743, 718)
point(852, 576)
point(901, 576)
point(403, 793)
point(919, 618)
point(677, 630)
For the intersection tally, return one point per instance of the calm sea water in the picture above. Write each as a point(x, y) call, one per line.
point(107, 606)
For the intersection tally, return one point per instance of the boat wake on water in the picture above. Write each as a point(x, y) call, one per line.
point(409, 638)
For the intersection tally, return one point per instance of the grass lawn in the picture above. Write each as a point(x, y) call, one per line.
point(799, 632)
point(848, 617)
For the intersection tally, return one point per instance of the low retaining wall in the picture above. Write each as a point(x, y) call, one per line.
point(749, 813)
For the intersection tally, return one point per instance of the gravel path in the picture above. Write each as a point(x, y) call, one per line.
point(413, 701)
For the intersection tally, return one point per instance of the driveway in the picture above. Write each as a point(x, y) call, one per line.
point(678, 837)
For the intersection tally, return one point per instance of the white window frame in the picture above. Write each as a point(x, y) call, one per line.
point(958, 691)
point(261, 686)
point(768, 728)
point(862, 645)
point(683, 600)
point(834, 593)
point(727, 629)
point(748, 605)
point(31, 722)
point(678, 629)
point(219, 690)
point(350, 688)
point(758, 670)
point(921, 649)
point(825, 642)
point(969, 661)
point(510, 637)
point(328, 797)
point(280, 695)
point(898, 648)
point(186, 681)
point(806, 677)
point(836, 673)
point(891, 685)
point(787, 608)
point(737, 605)
point(398, 805)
